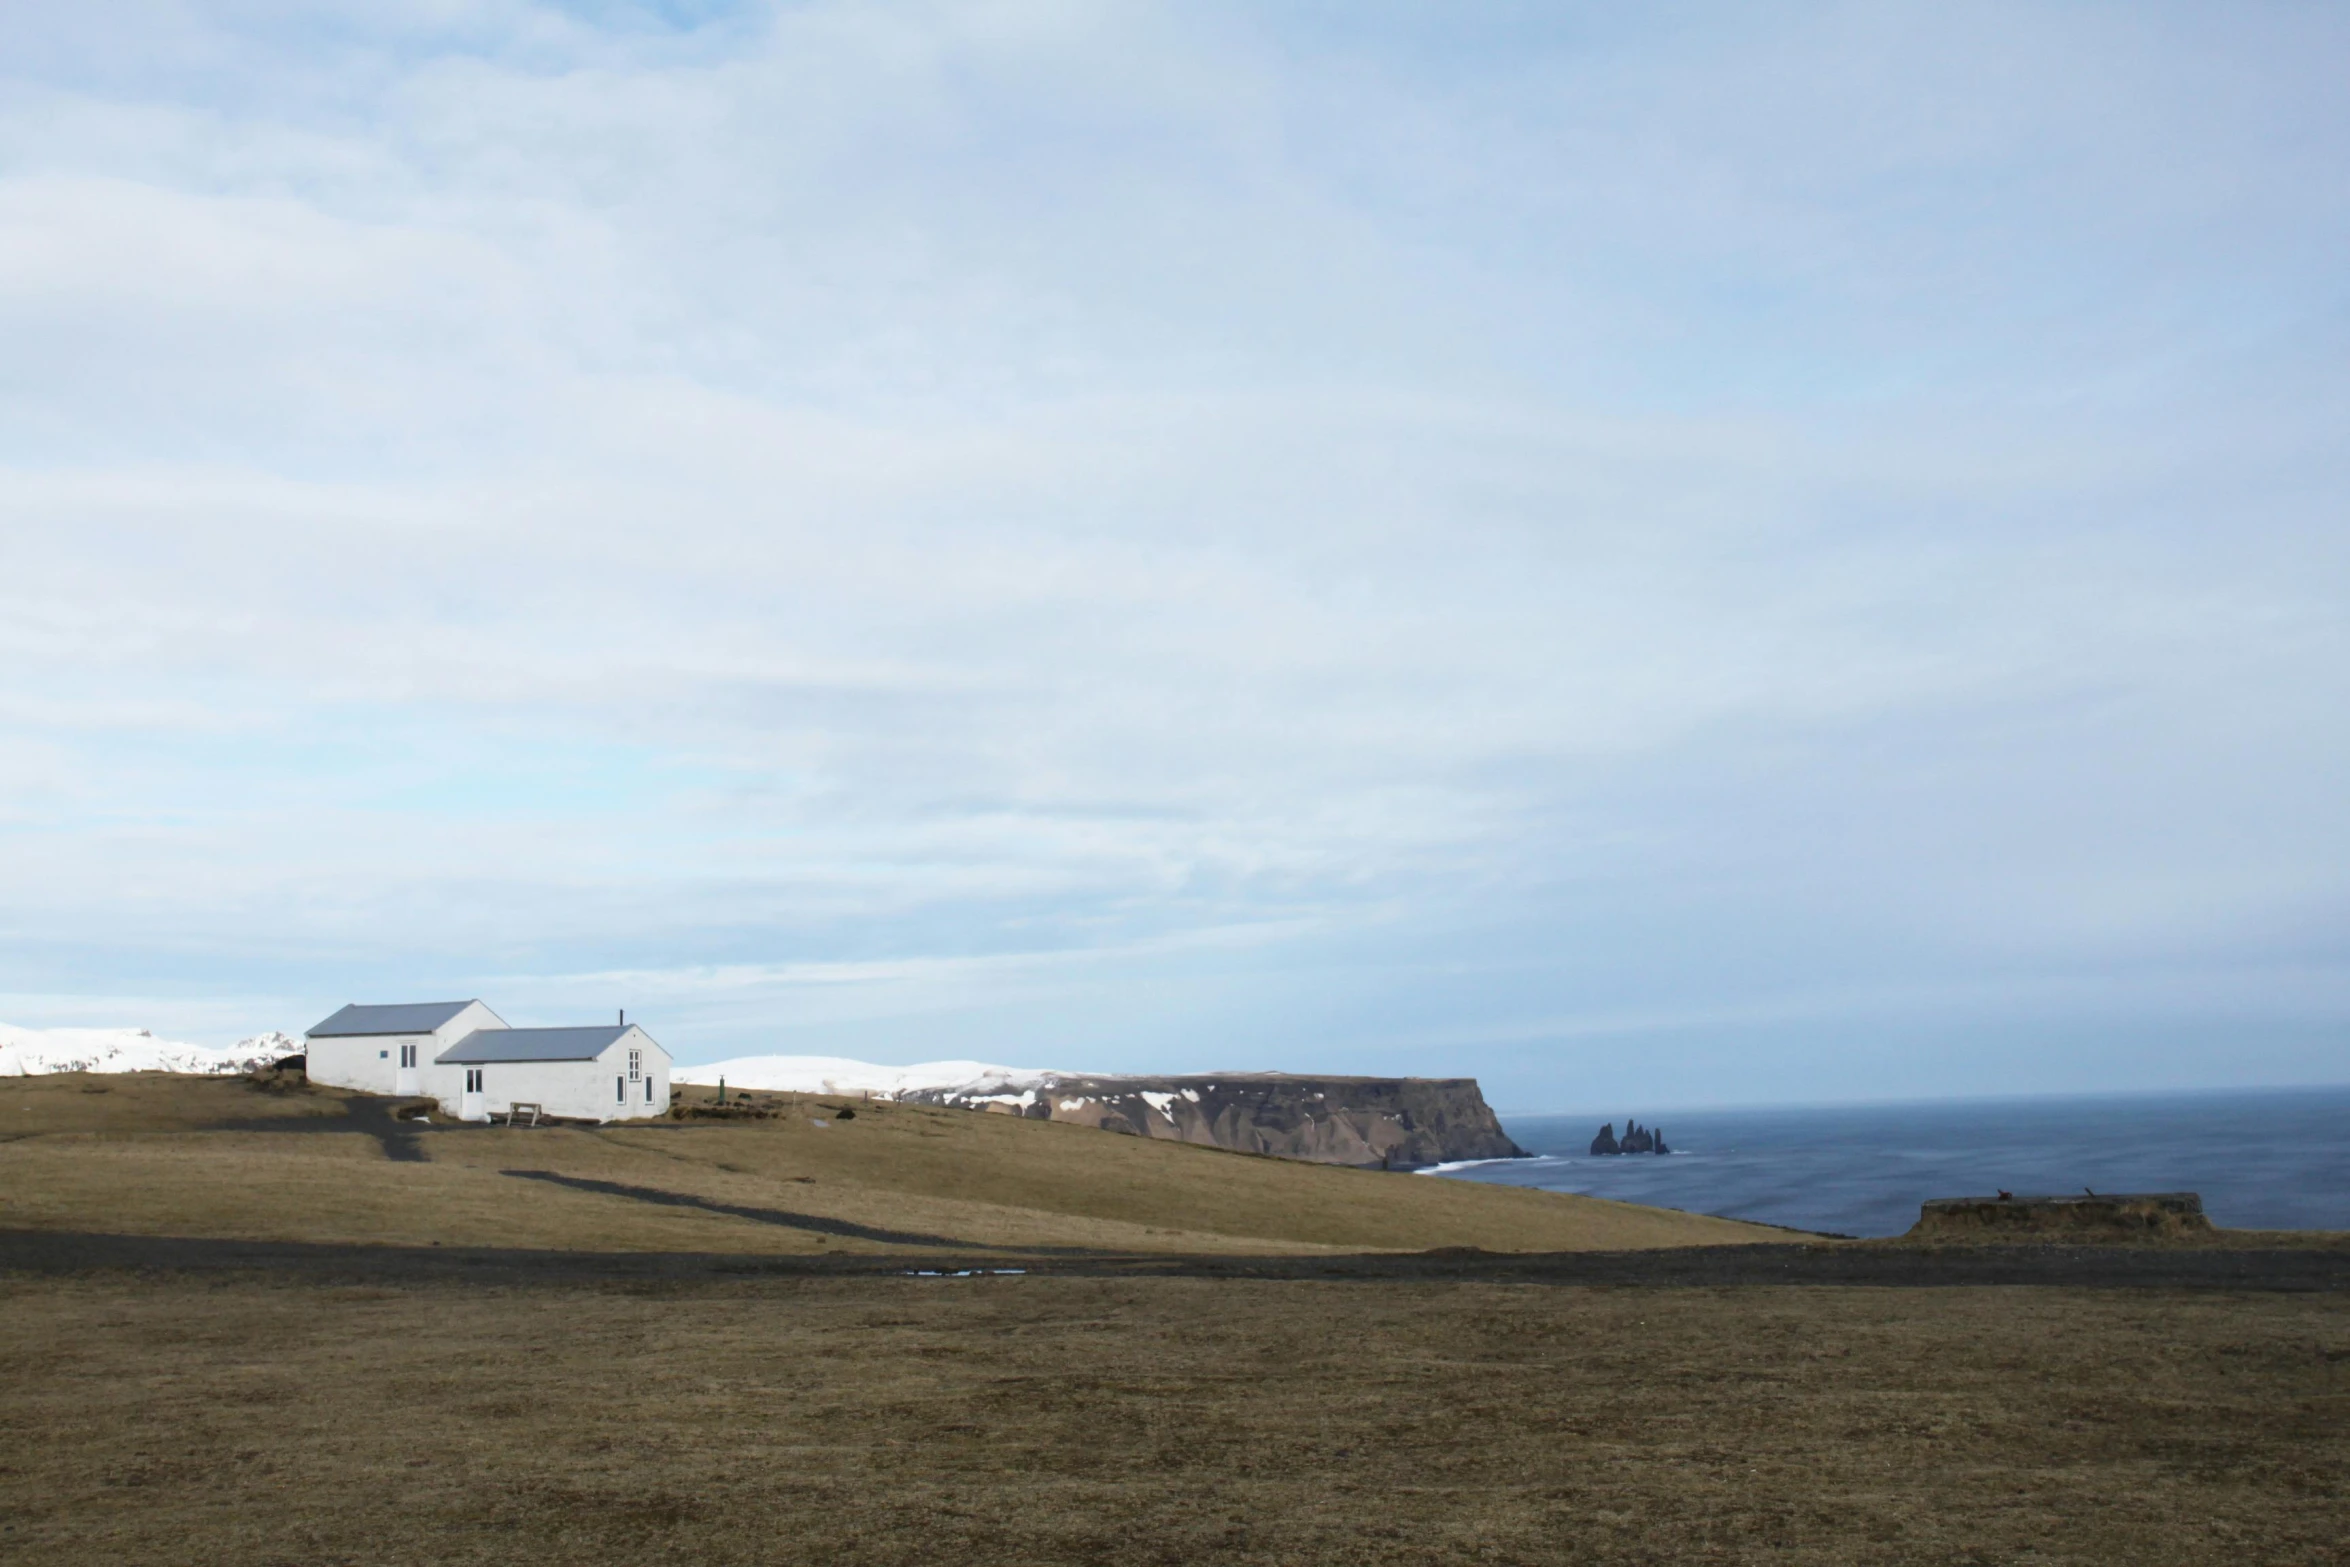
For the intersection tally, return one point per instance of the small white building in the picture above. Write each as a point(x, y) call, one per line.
point(463, 1054)
point(609, 1072)
point(389, 1050)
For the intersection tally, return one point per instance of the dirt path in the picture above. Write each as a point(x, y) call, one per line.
point(2094, 1267)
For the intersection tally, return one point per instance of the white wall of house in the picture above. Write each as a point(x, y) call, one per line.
point(597, 1090)
point(371, 1062)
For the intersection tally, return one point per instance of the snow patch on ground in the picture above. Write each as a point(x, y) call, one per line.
point(32, 1052)
point(840, 1075)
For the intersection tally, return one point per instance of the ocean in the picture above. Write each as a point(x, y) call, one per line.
point(2271, 1159)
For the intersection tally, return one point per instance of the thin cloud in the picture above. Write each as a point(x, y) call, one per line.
point(968, 506)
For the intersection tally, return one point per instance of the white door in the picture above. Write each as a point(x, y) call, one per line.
point(404, 1080)
point(469, 1108)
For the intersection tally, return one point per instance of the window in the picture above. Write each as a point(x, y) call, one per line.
point(620, 1090)
point(636, 1065)
point(648, 1090)
point(473, 1079)
point(383, 1055)
point(407, 1055)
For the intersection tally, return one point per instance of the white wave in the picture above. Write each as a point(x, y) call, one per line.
point(1471, 1164)
point(32, 1052)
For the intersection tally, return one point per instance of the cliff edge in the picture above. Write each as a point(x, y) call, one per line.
point(1399, 1123)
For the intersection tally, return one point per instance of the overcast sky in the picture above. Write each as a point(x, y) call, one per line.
point(1653, 555)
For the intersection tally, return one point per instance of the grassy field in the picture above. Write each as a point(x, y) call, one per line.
point(162, 1155)
point(471, 1413)
point(1043, 1420)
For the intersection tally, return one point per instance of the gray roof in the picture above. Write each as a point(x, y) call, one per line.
point(532, 1044)
point(409, 1017)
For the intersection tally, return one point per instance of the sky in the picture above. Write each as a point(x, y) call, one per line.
point(1654, 556)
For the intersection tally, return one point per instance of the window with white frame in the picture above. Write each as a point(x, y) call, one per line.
point(473, 1079)
point(636, 1065)
point(648, 1090)
point(620, 1090)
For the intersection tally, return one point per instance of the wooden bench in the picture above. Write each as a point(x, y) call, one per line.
point(516, 1109)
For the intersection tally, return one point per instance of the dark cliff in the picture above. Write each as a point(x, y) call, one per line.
point(1392, 1122)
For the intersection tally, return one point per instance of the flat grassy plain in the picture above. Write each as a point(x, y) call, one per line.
point(394, 1398)
point(1047, 1420)
point(155, 1154)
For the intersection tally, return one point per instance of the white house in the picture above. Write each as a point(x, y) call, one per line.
point(389, 1050)
point(463, 1054)
point(609, 1072)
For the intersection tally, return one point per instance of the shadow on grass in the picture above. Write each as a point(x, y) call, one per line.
point(812, 1223)
point(402, 1141)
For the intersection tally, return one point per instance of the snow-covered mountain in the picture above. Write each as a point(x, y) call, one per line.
point(32, 1051)
point(839, 1075)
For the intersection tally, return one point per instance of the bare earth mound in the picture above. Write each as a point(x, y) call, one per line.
point(2131, 1216)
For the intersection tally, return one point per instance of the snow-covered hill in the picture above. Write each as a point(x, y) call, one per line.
point(33, 1051)
point(839, 1075)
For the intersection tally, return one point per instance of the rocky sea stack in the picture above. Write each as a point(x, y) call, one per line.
point(1636, 1139)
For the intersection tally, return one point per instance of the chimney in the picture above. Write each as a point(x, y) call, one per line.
point(624, 1017)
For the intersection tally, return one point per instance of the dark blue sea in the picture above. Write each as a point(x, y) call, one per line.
point(2273, 1159)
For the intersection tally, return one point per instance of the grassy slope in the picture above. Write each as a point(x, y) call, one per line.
point(139, 1157)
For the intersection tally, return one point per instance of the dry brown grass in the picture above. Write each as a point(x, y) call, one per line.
point(1040, 1420)
point(142, 1102)
point(136, 1160)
